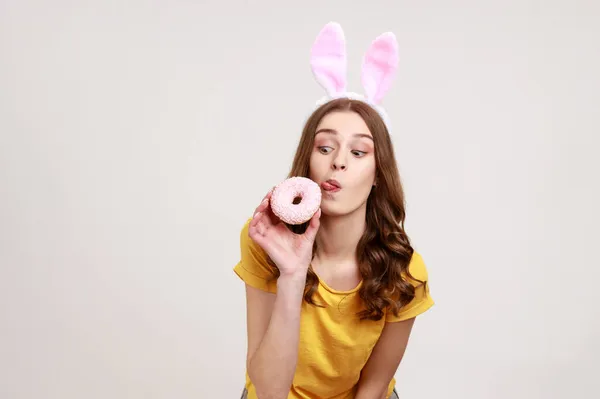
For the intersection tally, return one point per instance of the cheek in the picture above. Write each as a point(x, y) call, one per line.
point(317, 166)
point(365, 175)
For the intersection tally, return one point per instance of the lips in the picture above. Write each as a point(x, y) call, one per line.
point(331, 185)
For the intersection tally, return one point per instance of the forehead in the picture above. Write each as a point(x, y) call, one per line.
point(345, 123)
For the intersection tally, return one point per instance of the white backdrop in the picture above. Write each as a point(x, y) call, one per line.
point(137, 137)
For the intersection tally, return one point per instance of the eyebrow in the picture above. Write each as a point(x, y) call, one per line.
point(333, 131)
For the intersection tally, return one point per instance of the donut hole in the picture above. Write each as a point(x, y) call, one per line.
point(297, 199)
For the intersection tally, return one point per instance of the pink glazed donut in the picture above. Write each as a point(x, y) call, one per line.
point(296, 199)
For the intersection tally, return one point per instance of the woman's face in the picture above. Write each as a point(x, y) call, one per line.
point(343, 162)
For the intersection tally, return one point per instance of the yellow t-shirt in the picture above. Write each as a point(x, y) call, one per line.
point(334, 344)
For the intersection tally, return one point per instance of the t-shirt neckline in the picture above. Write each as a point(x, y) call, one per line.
point(339, 292)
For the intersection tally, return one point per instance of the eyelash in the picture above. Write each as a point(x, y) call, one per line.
point(362, 153)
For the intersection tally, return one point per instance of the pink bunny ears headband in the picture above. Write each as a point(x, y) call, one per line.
point(379, 67)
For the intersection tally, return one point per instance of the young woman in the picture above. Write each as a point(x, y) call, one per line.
point(331, 303)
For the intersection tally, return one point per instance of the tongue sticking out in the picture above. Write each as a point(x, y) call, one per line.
point(328, 186)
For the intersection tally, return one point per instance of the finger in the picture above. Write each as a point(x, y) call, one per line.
point(269, 220)
point(261, 240)
point(266, 197)
point(258, 227)
point(273, 218)
point(255, 234)
point(259, 216)
point(254, 221)
point(262, 220)
point(262, 206)
point(269, 194)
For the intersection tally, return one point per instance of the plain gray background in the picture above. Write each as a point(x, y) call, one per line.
point(137, 137)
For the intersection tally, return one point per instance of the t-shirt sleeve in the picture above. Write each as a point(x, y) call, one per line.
point(422, 300)
point(252, 267)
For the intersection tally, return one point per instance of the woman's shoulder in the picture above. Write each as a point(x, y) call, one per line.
point(418, 268)
point(253, 266)
point(422, 300)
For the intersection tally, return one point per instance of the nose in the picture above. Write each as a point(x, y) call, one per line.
point(339, 161)
point(339, 164)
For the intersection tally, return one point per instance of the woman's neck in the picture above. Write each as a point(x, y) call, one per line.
point(338, 236)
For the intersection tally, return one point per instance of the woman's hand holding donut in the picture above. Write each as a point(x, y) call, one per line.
point(291, 252)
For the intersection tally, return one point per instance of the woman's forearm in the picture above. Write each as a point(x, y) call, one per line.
point(375, 394)
point(272, 367)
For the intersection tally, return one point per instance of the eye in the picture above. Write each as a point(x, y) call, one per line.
point(358, 153)
point(325, 149)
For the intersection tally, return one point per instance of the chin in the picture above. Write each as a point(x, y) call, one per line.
point(337, 209)
point(331, 209)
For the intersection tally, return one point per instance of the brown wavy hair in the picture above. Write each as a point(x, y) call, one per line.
point(384, 251)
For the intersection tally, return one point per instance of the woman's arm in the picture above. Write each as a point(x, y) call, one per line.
point(273, 332)
point(274, 318)
point(384, 360)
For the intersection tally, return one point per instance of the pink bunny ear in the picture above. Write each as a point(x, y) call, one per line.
point(328, 58)
point(379, 67)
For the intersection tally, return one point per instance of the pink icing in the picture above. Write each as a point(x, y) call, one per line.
point(282, 200)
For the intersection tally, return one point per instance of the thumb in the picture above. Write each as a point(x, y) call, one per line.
point(313, 226)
